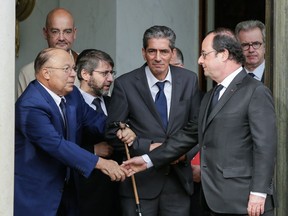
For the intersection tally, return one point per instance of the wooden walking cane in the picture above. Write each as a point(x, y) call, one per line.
point(122, 125)
point(138, 209)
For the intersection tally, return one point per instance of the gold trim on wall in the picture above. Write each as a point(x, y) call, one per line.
point(23, 10)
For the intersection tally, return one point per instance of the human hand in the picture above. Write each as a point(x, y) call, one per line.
point(103, 149)
point(125, 134)
point(134, 165)
point(182, 158)
point(256, 205)
point(196, 173)
point(112, 169)
point(154, 145)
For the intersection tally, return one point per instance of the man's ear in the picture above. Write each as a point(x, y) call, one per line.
point(45, 33)
point(225, 55)
point(143, 54)
point(45, 73)
point(85, 74)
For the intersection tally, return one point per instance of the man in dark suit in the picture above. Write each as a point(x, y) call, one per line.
point(251, 35)
point(165, 191)
point(97, 194)
point(237, 136)
point(193, 155)
point(49, 115)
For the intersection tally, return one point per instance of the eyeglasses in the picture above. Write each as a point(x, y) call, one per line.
point(55, 33)
point(106, 73)
point(255, 45)
point(66, 70)
point(204, 54)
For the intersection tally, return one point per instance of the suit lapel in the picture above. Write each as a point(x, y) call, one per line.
point(231, 89)
point(175, 97)
point(51, 102)
point(144, 92)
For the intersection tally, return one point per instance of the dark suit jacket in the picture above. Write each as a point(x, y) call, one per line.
point(132, 100)
point(238, 145)
point(98, 194)
point(41, 152)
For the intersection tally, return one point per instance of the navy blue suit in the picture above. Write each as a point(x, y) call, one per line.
point(42, 155)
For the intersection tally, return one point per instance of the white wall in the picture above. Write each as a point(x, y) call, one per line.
point(31, 37)
point(134, 17)
point(115, 26)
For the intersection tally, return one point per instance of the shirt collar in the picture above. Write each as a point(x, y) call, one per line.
point(55, 97)
point(226, 82)
point(152, 80)
point(88, 97)
point(258, 72)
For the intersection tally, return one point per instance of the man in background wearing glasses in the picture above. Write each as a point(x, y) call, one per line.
point(60, 32)
point(251, 35)
point(97, 194)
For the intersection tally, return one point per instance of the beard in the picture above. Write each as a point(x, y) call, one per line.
point(96, 88)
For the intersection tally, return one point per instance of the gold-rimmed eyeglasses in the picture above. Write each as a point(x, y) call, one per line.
point(204, 54)
point(256, 45)
point(106, 73)
point(66, 70)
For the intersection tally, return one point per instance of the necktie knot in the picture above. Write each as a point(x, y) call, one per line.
point(97, 103)
point(215, 97)
point(251, 74)
point(160, 85)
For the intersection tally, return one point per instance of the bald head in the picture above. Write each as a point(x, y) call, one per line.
point(60, 31)
point(54, 68)
point(57, 13)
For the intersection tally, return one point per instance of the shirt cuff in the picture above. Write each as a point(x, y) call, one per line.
point(259, 194)
point(147, 160)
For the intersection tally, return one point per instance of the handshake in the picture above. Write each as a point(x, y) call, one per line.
point(128, 168)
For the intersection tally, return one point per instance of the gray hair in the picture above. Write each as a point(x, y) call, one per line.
point(43, 57)
point(159, 32)
point(250, 24)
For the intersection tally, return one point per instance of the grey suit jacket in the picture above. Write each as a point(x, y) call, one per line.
point(238, 145)
point(132, 101)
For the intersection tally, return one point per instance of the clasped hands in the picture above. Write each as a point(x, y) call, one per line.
point(131, 166)
point(110, 167)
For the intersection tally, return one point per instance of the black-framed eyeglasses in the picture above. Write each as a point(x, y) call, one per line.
point(66, 70)
point(204, 54)
point(106, 73)
point(256, 45)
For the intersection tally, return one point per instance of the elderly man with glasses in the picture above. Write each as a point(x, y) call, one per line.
point(251, 35)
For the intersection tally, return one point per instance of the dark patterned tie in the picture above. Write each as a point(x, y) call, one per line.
point(215, 98)
point(63, 109)
point(161, 103)
point(251, 74)
point(97, 103)
point(64, 113)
